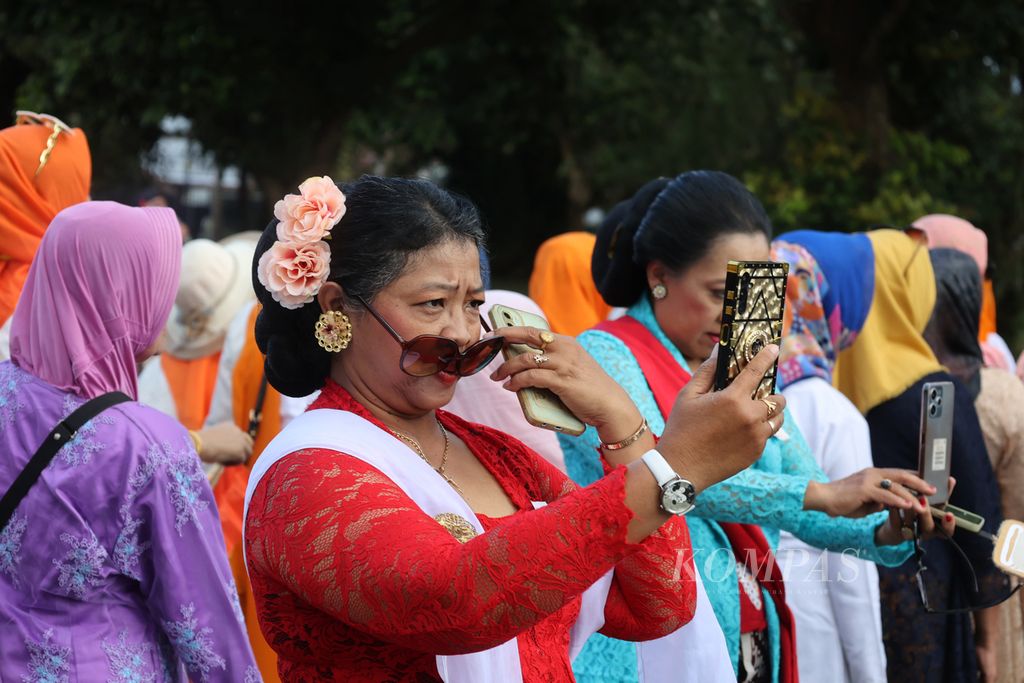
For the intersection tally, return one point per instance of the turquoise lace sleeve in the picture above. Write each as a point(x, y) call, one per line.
point(770, 493)
point(835, 533)
point(581, 453)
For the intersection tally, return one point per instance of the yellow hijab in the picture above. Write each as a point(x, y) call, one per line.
point(891, 354)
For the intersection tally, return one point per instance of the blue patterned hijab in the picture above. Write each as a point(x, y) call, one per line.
point(831, 285)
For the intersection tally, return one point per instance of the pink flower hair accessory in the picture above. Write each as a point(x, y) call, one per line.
point(297, 265)
point(294, 273)
point(309, 216)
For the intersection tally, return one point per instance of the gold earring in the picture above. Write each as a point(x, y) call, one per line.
point(659, 291)
point(333, 331)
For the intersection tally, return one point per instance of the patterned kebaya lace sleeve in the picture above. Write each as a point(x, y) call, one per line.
point(170, 542)
point(650, 596)
point(770, 493)
point(346, 540)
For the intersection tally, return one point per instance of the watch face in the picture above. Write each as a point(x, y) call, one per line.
point(677, 496)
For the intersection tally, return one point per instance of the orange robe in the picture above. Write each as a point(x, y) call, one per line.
point(230, 489)
point(28, 202)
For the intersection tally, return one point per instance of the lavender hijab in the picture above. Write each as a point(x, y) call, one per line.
point(97, 295)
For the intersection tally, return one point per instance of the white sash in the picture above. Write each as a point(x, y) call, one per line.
point(353, 435)
point(695, 653)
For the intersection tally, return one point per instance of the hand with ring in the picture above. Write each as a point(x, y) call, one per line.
point(557, 362)
point(866, 492)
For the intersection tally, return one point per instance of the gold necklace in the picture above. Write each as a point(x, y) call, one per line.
point(444, 456)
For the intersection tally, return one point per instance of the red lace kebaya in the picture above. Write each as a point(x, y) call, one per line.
point(355, 583)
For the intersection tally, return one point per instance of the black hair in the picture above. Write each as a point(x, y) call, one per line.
point(386, 221)
point(674, 221)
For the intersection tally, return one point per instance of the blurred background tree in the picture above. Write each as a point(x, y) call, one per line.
point(839, 114)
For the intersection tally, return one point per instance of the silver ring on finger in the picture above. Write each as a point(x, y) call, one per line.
point(886, 484)
point(540, 359)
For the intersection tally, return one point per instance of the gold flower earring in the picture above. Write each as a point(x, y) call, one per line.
point(333, 331)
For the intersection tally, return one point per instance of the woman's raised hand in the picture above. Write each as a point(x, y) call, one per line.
point(564, 367)
point(712, 435)
point(709, 436)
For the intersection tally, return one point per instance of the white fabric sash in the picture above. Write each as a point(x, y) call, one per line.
point(696, 653)
point(353, 435)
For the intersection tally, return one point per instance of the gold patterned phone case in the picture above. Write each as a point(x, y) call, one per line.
point(755, 299)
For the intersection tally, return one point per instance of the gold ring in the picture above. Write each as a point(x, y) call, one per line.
point(540, 359)
point(772, 406)
point(771, 425)
point(545, 339)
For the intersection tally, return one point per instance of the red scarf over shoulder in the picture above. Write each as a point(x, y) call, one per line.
point(666, 378)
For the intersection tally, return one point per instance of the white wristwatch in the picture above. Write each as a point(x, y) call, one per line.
point(677, 494)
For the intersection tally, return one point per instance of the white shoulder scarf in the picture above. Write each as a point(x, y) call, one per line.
point(353, 435)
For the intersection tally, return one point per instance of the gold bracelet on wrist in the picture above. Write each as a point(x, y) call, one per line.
point(629, 440)
point(197, 442)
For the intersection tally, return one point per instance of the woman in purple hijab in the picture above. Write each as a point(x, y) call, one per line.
point(112, 567)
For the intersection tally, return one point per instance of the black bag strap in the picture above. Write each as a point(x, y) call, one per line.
point(61, 434)
point(256, 414)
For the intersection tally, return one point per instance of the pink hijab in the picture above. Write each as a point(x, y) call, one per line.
point(953, 232)
point(97, 295)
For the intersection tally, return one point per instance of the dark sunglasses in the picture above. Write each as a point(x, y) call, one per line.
point(429, 354)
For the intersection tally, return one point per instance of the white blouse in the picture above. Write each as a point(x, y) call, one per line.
point(834, 597)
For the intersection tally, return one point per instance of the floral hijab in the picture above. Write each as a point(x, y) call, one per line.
point(831, 284)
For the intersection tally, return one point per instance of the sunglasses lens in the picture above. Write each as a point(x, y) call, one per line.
point(477, 356)
point(428, 355)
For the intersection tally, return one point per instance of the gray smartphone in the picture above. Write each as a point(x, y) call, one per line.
point(936, 445)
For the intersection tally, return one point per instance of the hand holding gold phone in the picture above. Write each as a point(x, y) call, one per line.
point(541, 407)
point(752, 314)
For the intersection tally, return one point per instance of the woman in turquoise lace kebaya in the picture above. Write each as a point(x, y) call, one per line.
point(664, 253)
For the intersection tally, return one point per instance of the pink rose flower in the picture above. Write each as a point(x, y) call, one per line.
point(308, 216)
point(294, 273)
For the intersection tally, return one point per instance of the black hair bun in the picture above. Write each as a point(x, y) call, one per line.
point(618, 277)
point(294, 363)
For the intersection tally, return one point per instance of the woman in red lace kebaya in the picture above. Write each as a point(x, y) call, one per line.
point(388, 540)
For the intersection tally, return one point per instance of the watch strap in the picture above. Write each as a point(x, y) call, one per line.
point(659, 467)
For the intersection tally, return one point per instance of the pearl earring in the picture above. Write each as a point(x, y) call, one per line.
point(659, 291)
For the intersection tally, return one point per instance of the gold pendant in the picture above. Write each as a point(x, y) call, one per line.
point(457, 525)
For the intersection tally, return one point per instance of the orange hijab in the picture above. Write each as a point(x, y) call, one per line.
point(562, 285)
point(29, 201)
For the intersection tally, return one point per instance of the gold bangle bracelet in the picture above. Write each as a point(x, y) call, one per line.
point(197, 442)
point(629, 440)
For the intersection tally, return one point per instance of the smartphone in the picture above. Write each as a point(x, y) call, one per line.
point(1008, 554)
point(965, 519)
point(541, 407)
point(755, 300)
point(936, 441)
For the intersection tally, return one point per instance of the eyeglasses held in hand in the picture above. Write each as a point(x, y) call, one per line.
point(919, 553)
point(429, 354)
point(30, 118)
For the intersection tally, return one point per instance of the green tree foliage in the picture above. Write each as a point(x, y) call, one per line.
point(838, 113)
